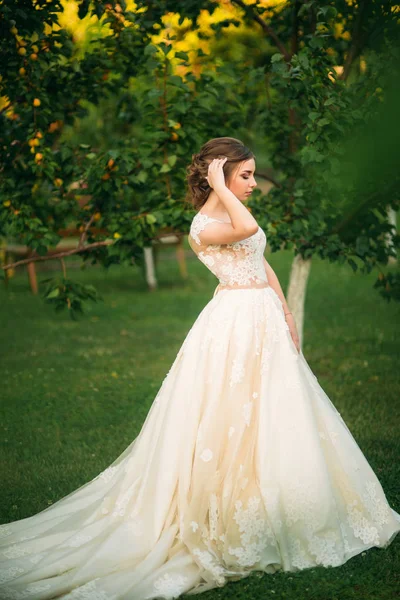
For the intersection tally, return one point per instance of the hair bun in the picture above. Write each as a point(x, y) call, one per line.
point(196, 173)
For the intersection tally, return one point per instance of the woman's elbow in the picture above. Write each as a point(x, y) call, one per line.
point(252, 229)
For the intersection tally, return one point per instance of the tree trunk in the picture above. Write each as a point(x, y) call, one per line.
point(392, 218)
point(297, 288)
point(149, 267)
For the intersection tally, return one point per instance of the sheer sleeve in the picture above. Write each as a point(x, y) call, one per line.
point(199, 224)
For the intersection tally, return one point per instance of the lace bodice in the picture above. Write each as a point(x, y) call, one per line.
point(236, 264)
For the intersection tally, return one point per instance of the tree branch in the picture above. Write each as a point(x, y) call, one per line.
point(294, 45)
point(357, 41)
point(266, 28)
point(77, 250)
point(84, 232)
point(63, 268)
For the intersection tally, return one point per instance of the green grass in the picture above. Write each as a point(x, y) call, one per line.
point(75, 394)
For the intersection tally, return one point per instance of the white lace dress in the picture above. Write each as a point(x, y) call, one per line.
point(242, 464)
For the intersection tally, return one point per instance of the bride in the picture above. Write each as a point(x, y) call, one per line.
point(243, 463)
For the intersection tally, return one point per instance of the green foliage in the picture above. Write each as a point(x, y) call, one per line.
point(120, 183)
point(118, 195)
point(338, 158)
point(389, 286)
point(64, 292)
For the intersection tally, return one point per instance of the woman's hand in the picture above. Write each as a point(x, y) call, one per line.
point(293, 330)
point(216, 177)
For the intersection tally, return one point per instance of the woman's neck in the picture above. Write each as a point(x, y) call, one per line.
point(215, 207)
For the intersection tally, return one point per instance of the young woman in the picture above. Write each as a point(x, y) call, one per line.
point(243, 463)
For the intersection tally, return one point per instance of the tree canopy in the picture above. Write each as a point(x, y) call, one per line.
point(299, 80)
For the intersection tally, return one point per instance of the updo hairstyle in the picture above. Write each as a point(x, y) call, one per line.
point(198, 187)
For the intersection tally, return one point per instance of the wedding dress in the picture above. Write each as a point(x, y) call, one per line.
point(243, 464)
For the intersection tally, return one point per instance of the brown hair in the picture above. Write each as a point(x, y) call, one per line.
point(198, 187)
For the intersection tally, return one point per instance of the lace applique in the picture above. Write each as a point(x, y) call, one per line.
point(247, 410)
point(319, 551)
point(213, 339)
point(29, 593)
point(237, 372)
point(89, 591)
point(255, 534)
point(198, 225)
point(5, 531)
point(122, 503)
point(266, 360)
point(108, 474)
point(37, 558)
point(78, 540)
point(240, 263)
point(210, 563)
point(213, 516)
point(299, 556)
point(206, 455)
point(324, 549)
point(171, 586)
point(194, 525)
point(10, 573)
point(378, 510)
point(361, 527)
point(34, 588)
point(207, 260)
point(301, 504)
point(344, 537)
point(16, 551)
point(270, 497)
point(231, 432)
point(314, 548)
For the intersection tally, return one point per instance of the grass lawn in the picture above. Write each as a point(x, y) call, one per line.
point(75, 394)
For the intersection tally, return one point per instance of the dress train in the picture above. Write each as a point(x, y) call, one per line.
point(242, 464)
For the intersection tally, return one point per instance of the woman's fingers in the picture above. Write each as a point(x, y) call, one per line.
point(214, 168)
point(215, 163)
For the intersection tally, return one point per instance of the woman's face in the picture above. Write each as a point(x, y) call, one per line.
point(242, 180)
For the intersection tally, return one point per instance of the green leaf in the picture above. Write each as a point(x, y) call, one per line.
point(183, 55)
point(353, 264)
point(150, 50)
point(172, 159)
point(54, 293)
point(142, 176)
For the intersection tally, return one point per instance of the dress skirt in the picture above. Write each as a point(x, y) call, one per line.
point(243, 464)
